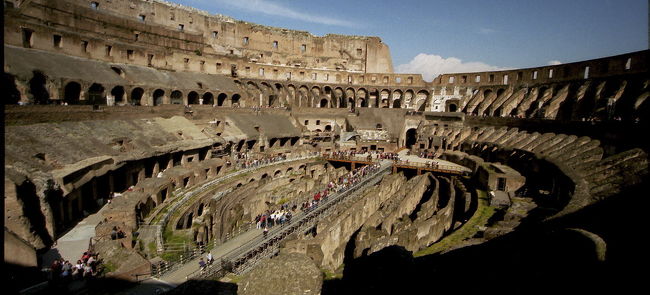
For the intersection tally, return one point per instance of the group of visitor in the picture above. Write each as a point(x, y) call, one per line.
point(245, 160)
point(278, 217)
point(370, 155)
point(62, 271)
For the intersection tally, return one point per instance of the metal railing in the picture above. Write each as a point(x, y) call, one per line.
point(183, 197)
point(430, 166)
point(249, 254)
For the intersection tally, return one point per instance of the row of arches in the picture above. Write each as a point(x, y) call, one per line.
point(97, 94)
point(269, 94)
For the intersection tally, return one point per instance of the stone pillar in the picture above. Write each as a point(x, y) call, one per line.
point(155, 169)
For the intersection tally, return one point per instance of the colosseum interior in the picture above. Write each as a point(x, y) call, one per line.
point(181, 128)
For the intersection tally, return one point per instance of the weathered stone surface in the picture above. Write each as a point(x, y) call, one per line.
point(290, 273)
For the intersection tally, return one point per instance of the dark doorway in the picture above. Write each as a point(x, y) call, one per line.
point(71, 93)
point(411, 137)
point(136, 96)
point(38, 89)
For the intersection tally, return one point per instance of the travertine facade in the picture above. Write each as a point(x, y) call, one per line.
point(161, 102)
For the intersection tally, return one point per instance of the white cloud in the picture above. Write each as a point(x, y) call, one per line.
point(554, 63)
point(431, 65)
point(276, 9)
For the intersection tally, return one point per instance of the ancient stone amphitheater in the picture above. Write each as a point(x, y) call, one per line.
point(192, 125)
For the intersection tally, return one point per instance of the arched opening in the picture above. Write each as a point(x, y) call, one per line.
point(411, 137)
point(235, 99)
point(453, 107)
point(37, 88)
point(9, 84)
point(384, 103)
point(118, 94)
point(176, 97)
point(72, 93)
point(208, 98)
point(96, 94)
point(192, 98)
point(363, 102)
point(199, 211)
point(351, 103)
point(323, 103)
point(397, 103)
point(328, 128)
point(136, 96)
point(221, 99)
point(158, 97)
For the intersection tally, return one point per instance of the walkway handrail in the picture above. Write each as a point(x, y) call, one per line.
point(432, 166)
point(186, 195)
point(261, 247)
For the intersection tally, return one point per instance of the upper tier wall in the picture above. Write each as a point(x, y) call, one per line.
point(165, 35)
point(624, 64)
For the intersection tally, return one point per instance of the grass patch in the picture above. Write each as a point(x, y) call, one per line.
point(480, 218)
point(232, 278)
point(152, 247)
point(109, 266)
point(335, 275)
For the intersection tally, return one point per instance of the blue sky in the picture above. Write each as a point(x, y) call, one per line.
point(433, 37)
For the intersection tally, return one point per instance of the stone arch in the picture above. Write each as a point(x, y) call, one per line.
point(422, 94)
point(411, 137)
point(96, 94)
point(324, 103)
point(350, 98)
point(362, 95)
point(277, 173)
point(118, 94)
point(176, 97)
point(9, 84)
point(221, 98)
point(235, 99)
point(303, 96)
point(208, 98)
point(452, 105)
point(158, 97)
point(420, 105)
point(397, 103)
point(72, 93)
point(192, 98)
point(38, 89)
point(136, 96)
point(340, 97)
point(397, 94)
point(327, 90)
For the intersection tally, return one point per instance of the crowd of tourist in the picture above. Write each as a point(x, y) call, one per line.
point(370, 155)
point(283, 215)
point(62, 271)
point(277, 217)
point(245, 160)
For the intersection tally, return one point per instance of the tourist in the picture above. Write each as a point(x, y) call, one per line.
point(202, 265)
point(210, 258)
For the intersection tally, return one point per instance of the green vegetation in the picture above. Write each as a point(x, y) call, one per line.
point(172, 237)
point(152, 247)
point(480, 218)
point(231, 278)
point(282, 201)
point(337, 274)
point(109, 266)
